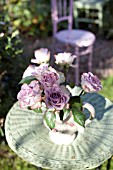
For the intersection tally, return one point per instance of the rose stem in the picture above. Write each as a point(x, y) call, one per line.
point(81, 93)
point(65, 70)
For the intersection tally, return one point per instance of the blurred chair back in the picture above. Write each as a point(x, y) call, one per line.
point(81, 40)
point(61, 10)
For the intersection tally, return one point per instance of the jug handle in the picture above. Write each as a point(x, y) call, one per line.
point(91, 109)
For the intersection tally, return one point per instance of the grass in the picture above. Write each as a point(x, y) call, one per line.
point(107, 90)
point(10, 161)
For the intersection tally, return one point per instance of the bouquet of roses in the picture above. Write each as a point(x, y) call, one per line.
point(46, 90)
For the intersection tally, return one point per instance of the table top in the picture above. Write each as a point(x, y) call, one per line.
point(29, 139)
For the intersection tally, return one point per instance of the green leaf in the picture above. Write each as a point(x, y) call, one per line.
point(66, 113)
point(79, 116)
point(1, 132)
point(50, 119)
point(76, 102)
point(15, 33)
point(27, 80)
point(38, 110)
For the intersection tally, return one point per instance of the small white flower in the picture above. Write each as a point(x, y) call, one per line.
point(64, 58)
point(1, 34)
point(41, 56)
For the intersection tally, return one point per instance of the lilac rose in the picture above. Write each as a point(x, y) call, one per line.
point(29, 95)
point(49, 78)
point(35, 71)
point(38, 71)
point(56, 98)
point(90, 82)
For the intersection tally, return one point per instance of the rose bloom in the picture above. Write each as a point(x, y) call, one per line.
point(56, 98)
point(38, 71)
point(35, 71)
point(29, 95)
point(90, 82)
point(64, 58)
point(49, 78)
point(41, 56)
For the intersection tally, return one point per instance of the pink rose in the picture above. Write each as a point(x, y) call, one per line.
point(35, 71)
point(40, 70)
point(29, 95)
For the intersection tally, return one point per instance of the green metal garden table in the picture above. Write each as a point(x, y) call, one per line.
point(29, 139)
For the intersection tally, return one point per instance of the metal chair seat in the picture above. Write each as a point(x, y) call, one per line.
point(80, 38)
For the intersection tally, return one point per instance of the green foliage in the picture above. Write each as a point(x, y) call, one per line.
point(10, 52)
point(50, 119)
point(79, 116)
point(76, 108)
point(38, 110)
point(1, 132)
point(31, 17)
point(107, 90)
point(76, 102)
point(108, 15)
point(10, 161)
point(27, 80)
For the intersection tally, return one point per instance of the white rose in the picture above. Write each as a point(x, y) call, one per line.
point(64, 58)
point(41, 56)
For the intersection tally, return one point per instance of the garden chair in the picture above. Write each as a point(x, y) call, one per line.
point(89, 11)
point(81, 40)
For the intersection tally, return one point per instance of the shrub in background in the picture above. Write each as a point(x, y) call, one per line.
point(10, 50)
point(31, 17)
point(108, 19)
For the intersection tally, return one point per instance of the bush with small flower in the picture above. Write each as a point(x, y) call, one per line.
point(46, 90)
